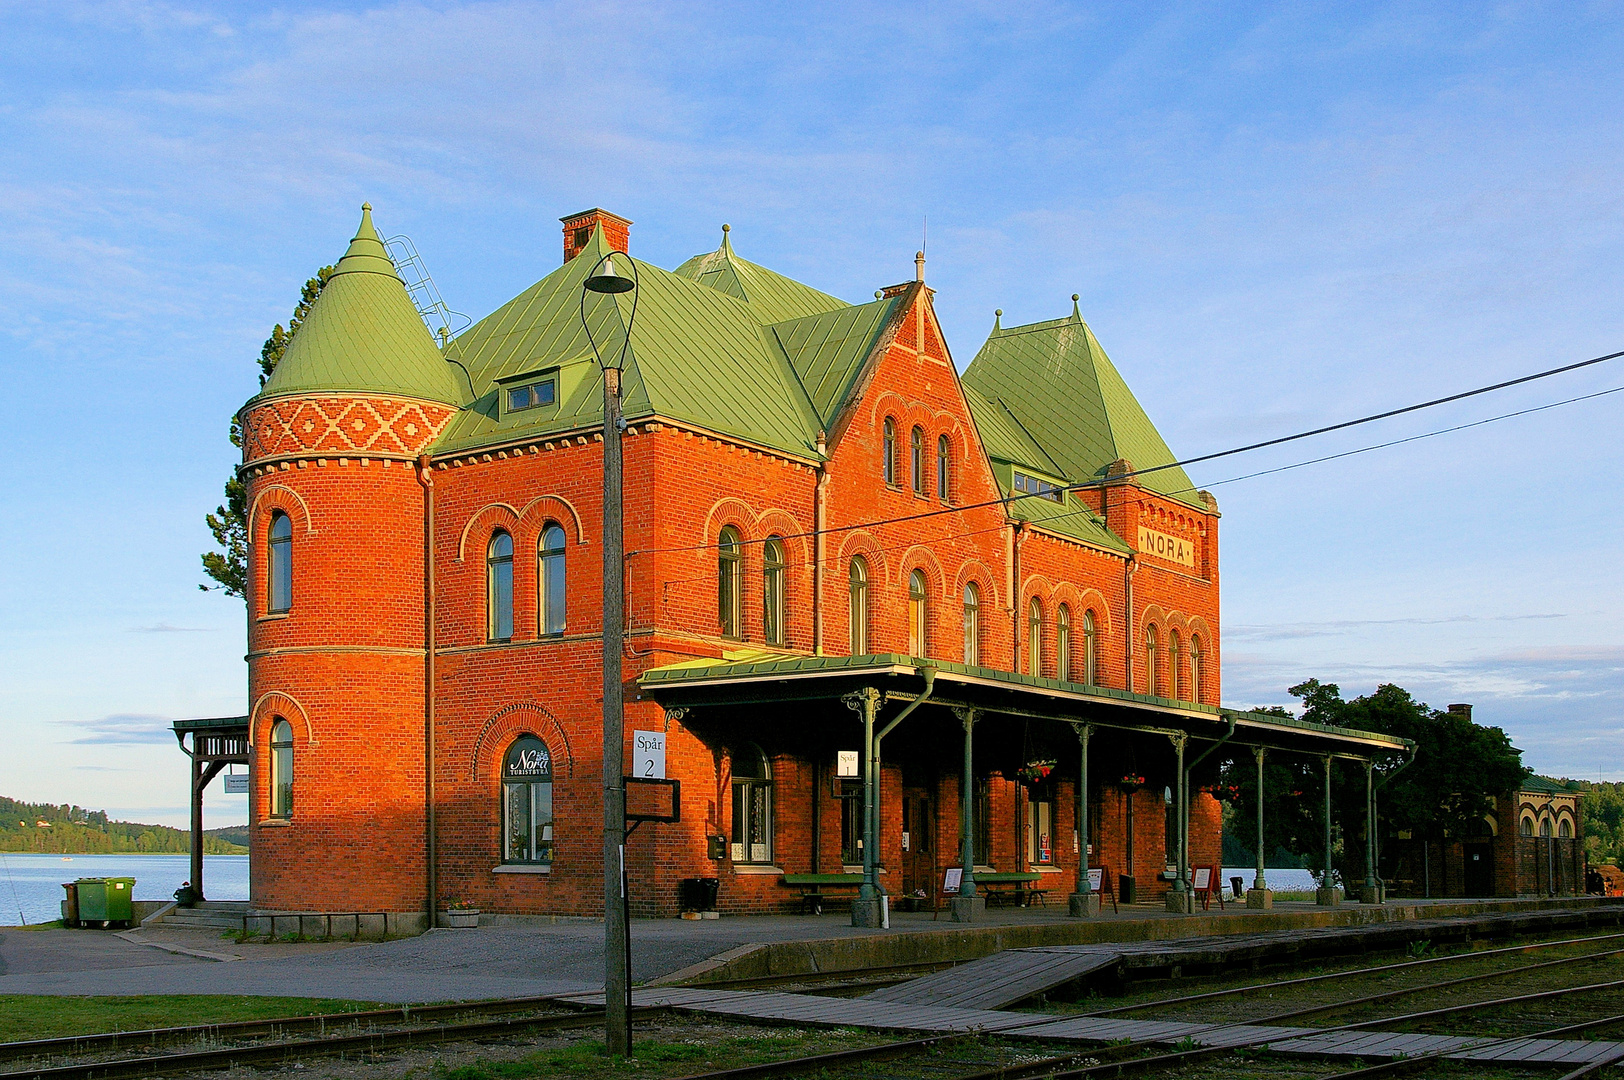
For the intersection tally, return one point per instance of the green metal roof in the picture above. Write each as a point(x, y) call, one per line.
point(211, 723)
point(773, 297)
point(697, 354)
point(364, 334)
point(1060, 387)
point(1544, 785)
point(827, 350)
point(769, 667)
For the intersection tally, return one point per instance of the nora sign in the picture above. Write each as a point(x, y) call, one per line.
point(1163, 546)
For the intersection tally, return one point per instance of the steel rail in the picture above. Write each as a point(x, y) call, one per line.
point(835, 1058)
point(368, 1042)
point(240, 1029)
point(1353, 973)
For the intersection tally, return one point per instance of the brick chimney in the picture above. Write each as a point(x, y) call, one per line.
point(578, 231)
point(1462, 711)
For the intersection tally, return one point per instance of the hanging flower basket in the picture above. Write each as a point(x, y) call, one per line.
point(1131, 782)
point(1035, 772)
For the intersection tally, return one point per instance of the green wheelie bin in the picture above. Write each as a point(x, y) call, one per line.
point(106, 901)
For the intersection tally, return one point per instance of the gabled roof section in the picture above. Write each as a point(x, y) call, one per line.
point(772, 296)
point(696, 355)
point(828, 350)
point(364, 334)
point(1057, 383)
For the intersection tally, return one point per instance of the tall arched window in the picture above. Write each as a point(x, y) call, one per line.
point(858, 609)
point(1196, 660)
point(1091, 645)
point(943, 492)
point(917, 640)
point(281, 768)
point(1564, 829)
point(279, 567)
point(527, 802)
point(752, 806)
point(972, 624)
point(889, 467)
point(552, 579)
point(499, 587)
point(1152, 661)
point(1526, 826)
point(729, 558)
point(1175, 681)
point(772, 591)
point(916, 460)
point(1545, 828)
point(1034, 637)
point(1062, 643)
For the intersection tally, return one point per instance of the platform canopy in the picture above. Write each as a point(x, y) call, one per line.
point(756, 678)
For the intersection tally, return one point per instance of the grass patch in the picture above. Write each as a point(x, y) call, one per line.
point(54, 924)
point(702, 1051)
point(34, 1016)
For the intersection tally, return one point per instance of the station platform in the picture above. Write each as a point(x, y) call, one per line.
point(567, 957)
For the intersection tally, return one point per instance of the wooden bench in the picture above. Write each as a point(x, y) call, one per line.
point(816, 888)
point(1022, 888)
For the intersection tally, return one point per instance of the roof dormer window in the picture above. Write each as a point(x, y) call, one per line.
point(1043, 489)
point(532, 395)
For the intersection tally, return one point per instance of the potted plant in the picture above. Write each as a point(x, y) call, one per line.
point(460, 914)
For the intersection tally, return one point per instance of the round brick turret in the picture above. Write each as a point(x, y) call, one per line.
point(330, 453)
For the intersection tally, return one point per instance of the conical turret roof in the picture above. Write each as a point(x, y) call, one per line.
point(363, 334)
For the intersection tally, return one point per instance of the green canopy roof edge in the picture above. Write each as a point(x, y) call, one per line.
point(211, 723)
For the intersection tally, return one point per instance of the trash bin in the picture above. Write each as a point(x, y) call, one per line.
point(698, 894)
point(105, 901)
point(70, 903)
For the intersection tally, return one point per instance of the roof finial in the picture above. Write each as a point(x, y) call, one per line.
point(879, 293)
point(919, 266)
point(1075, 313)
point(997, 318)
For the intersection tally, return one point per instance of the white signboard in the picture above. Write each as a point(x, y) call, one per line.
point(952, 879)
point(846, 763)
point(648, 754)
point(236, 783)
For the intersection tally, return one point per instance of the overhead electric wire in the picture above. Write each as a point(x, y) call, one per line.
point(1101, 484)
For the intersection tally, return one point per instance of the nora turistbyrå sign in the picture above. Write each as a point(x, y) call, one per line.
point(1164, 546)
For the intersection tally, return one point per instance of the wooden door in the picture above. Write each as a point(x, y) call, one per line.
point(918, 842)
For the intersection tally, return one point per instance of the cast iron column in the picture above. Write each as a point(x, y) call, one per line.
point(1327, 894)
point(1179, 899)
point(617, 984)
point(965, 903)
point(1370, 896)
point(1260, 883)
point(1083, 901)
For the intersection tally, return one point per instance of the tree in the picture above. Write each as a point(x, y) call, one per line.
point(228, 568)
point(1445, 792)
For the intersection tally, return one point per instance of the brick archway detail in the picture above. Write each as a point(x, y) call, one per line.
point(923, 558)
point(861, 543)
point(295, 709)
point(556, 500)
point(516, 719)
point(979, 572)
point(281, 497)
point(512, 524)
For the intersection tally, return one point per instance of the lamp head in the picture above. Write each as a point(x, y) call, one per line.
point(604, 279)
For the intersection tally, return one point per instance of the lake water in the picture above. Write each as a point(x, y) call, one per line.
point(31, 885)
point(1279, 880)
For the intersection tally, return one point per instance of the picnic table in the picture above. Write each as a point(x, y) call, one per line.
point(816, 888)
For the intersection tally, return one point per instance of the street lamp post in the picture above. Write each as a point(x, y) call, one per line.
point(604, 280)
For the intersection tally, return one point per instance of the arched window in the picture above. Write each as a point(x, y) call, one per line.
point(728, 581)
point(772, 591)
point(281, 768)
point(499, 588)
point(1196, 673)
point(1034, 637)
point(972, 624)
point(527, 802)
point(889, 467)
point(279, 567)
point(916, 460)
point(943, 492)
point(858, 610)
point(1062, 643)
point(1090, 648)
point(1151, 661)
point(552, 579)
point(752, 806)
point(1545, 828)
point(1526, 826)
point(917, 640)
point(1564, 829)
point(1175, 681)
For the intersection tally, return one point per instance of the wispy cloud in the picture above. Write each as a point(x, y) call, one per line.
point(165, 628)
point(121, 729)
point(1279, 631)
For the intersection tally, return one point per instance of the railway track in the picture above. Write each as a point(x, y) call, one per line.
point(374, 1040)
point(1151, 1054)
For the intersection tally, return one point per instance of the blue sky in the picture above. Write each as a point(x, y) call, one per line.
point(1277, 217)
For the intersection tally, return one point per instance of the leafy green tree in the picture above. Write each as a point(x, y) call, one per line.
point(1602, 811)
point(1446, 792)
point(228, 567)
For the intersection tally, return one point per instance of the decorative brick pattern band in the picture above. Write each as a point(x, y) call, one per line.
point(342, 425)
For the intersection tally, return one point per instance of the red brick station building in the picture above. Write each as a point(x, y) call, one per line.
point(827, 527)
